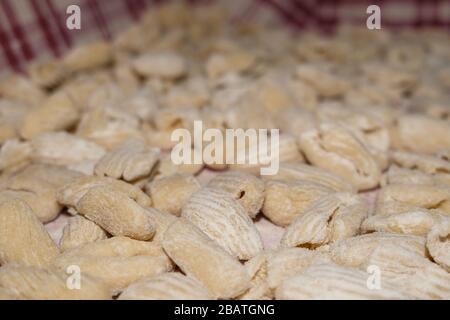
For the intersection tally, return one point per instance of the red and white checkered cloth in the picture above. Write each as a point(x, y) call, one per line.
point(32, 29)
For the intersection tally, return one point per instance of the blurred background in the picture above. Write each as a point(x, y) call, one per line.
point(35, 29)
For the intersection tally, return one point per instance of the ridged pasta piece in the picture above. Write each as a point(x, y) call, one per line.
point(33, 283)
point(23, 238)
point(246, 188)
point(201, 258)
point(286, 200)
point(79, 231)
point(330, 281)
point(118, 261)
point(331, 218)
point(166, 286)
point(170, 193)
point(438, 244)
point(117, 213)
point(224, 219)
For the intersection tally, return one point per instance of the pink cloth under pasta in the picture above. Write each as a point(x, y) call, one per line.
point(35, 29)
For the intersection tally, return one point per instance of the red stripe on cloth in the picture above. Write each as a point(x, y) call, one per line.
point(435, 19)
point(328, 20)
point(45, 28)
point(142, 4)
point(131, 8)
point(58, 16)
point(419, 10)
point(284, 12)
point(99, 19)
point(7, 50)
point(17, 30)
point(299, 8)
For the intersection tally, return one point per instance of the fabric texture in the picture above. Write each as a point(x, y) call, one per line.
point(36, 29)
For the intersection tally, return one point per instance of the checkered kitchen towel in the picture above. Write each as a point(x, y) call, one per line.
point(31, 29)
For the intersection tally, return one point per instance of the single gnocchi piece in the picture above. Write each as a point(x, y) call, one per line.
point(194, 92)
point(429, 164)
point(23, 238)
point(37, 185)
point(286, 262)
point(118, 261)
point(323, 81)
point(356, 251)
point(330, 281)
point(386, 208)
point(117, 213)
point(166, 65)
point(109, 126)
point(420, 133)
point(369, 125)
point(143, 104)
point(79, 231)
point(12, 113)
point(107, 94)
point(89, 56)
point(166, 166)
point(116, 247)
point(415, 222)
point(245, 188)
point(285, 200)
point(401, 81)
point(71, 193)
point(438, 244)
point(39, 204)
point(125, 77)
point(224, 219)
point(331, 218)
point(166, 286)
point(219, 64)
point(304, 172)
point(398, 175)
point(273, 92)
point(47, 74)
point(22, 89)
point(135, 39)
point(62, 148)
point(410, 272)
point(200, 257)
point(170, 193)
point(131, 161)
point(336, 149)
point(257, 159)
point(14, 154)
point(34, 283)
point(165, 120)
point(82, 86)
point(420, 196)
point(57, 112)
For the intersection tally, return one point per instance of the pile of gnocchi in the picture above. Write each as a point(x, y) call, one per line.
point(93, 207)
